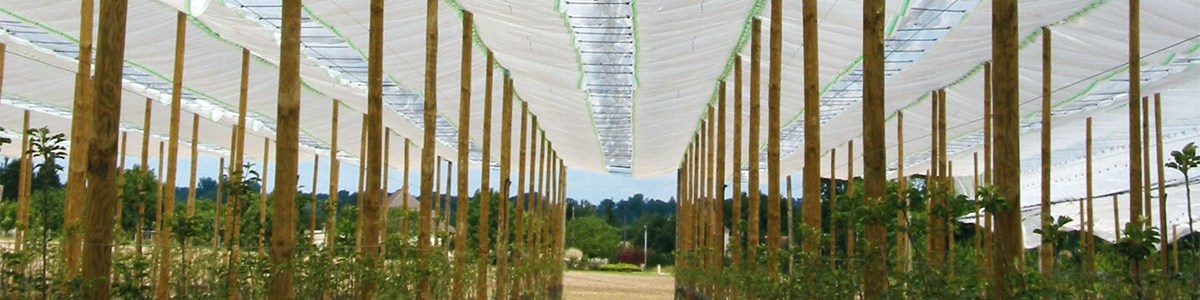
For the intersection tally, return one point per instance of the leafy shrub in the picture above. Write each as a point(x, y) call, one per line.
point(619, 267)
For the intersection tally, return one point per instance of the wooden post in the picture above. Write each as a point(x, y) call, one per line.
point(1135, 93)
point(1162, 184)
point(1116, 216)
point(850, 231)
point(518, 223)
point(446, 205)
point(437, 193)
point(535, 225)
point(191, 197)
point(1007, 98)
point(404, 189)
point(429, 121)
point(1091, 226)
point(987, 163)
point(312, 207)
point(710, 189)
point(812, 131)
point(975, 199)
point(234, 226)
point(947, 183)
point(331, 210)
point(362, 177)
point(162, 288)
point(24, 181)
point(753, 145)
point(811, 180)
point(1146, 210)
point(81, 131)
point(98, 227)
point(485, 188)
point(464, 145)
point(904, 244)
point(933, 235)
point(384, 192)
point(735, 229)
point(791, 224)
point(375, 165)
point(874, 146)
point(505, 184)
point(262, 198)
point(719, 220)
point(833, 206)
point(121, 181)
point(1046, 252)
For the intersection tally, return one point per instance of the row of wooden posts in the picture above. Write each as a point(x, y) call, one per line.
point(701, 179)
point(94, 152)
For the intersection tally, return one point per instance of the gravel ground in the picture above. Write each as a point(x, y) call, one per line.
point(589, 285)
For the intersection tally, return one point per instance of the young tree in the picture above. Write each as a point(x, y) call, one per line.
point(50, 149)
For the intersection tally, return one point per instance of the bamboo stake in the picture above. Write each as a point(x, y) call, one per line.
point(162, 288)
point(464, 122)
point(485, 189)
point(262, 198)
point(1135, 93)
point(81, 132)
point(1007, 98)
point(110, 56)
point(874, 145)
point(755, 108)
point(312, 208)
point(237, 165)
point(505, 184)
point(1162, 184)
point(735, 228)
point(1047, 250)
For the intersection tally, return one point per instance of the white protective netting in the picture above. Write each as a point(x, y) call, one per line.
point(620, 85)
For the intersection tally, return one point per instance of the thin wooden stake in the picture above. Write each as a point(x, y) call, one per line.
point(720, 179)
point(902, 178)
point(312, 207)
point(505, 185)
point(23, 184)
point(1046, 251)
point(191, 197)
point(833, 194)
point(1091, 225)
point(1162, 184)
point(850, 238)
point(262, 198)
point(736, 228)
point(1135, 94)
point(81, 132)
point(331, 204)
point(163, 287)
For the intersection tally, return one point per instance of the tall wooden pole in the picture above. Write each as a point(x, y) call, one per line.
point(1162, 184)
point(946, 178)
point(446, 205)
point(234, 214)
point(385, 191)
point(850, 231)
point(987, 163)
point(1146, 210)
point(312, 207)
point(811, 181)
point(933, 238)
point(485, 185)
point(191, 197)
point(373, 199)
point(331, 204)
point(23, 186)
point(145, 163)
point(429, 121)
point(720, 179)
point(121, 180)
point(98, 227)
point(1135, 94)
point(81, 131)
point(262, 198)
point(812, 132)
point(362, 178)
point(753, 145)
point(874, 146)
point(709, 188)
point(1091, 225)
point(1007, 118)
point(904, 244)
point(162, 288)
point(833, 194)
point(791, 224)
point(1046, 252)
point(518, 222)
point(404, 235)
point(735, 228)
point(464, 145)
point(505, 184)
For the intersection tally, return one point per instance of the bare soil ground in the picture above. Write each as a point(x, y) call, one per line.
point(588, 285)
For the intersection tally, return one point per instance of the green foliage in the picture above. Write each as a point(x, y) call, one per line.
point(619, 267)
point(1053, 233)
point(592, 235)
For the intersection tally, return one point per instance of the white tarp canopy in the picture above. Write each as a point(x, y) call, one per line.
point(621, 85)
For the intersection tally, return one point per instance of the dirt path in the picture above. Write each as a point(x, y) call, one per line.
point(588, 285)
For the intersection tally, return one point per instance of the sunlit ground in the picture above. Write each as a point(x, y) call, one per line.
point(587, 285)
